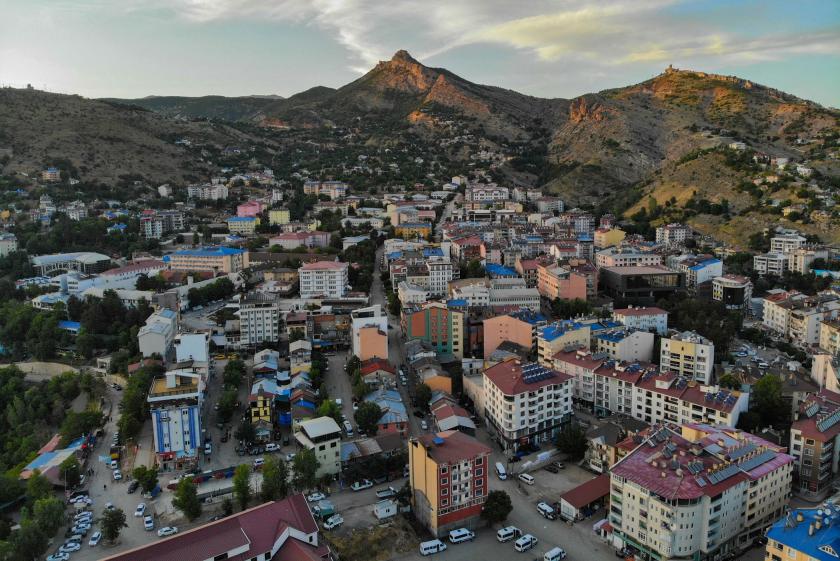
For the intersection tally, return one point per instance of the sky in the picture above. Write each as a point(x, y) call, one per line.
point(546, 48)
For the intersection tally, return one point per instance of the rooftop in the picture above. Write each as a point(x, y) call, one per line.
point(323, 266)
point(515, 377)
point(210, 251)
point(320, 426)
point(452, 446)
point(824, 545)
point(652, 311)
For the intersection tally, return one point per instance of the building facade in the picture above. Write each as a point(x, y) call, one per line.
point(323, 278)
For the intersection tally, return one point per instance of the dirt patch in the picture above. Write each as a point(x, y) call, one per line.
point(378, 543)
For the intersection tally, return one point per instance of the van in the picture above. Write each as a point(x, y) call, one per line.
point(508, 533)
point(555, 554)
point(546, 511)
point(258, 463)
point(526, 478)
point(348, 428)
point(500, 471)
point(525, 543)
point(461, 535)
point(433, 546)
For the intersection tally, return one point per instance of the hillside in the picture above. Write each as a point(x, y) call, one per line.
point(210, 107)
point(103, 141)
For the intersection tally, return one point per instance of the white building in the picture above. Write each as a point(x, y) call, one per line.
point(680, 498)
point(175, 406)
point(485, 193)
point(517, 297)
point(628, 345)
point(797, 317)
point(672, 234)
point(734, 291)
point(157, 336)
point(800, 259)
point(323, 278)
point(194, 347)
point(259, 319)
point(643, 318)
point(626, 257)
point(786, 243)
point(526, 402)
point(322, 435)
point(208, 192)
point(770, 264)
point(440, 273)
point(688, 354)
point(8, 243)
point(699, 269)
point(412, 293)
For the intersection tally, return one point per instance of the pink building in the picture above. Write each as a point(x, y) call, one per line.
point(249, 209)
point(503, 328)
point(559, 282)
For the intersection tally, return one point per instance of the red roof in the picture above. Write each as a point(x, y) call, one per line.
point(652, 311)
point(375, 364)
point(589, 492)
point(324, 265)
point(456, 447)
point(257, 528)
point(827, 400)
point(507, 376)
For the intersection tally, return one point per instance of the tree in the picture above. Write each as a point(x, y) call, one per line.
point(305, 468)
point(275, 484)
point(242, 485)
point(497, 507)
point(246, 432)
point(330, 408)
point(572, 441)
point(729, 381)
point(70, 471)
point(227, 404)
point(296, 334)
point(38, 487)
point(367, 417)
point(48, 514)
point(234, 371)
point(352, 366)
point(767, 399)
point(227, 506)
point(146, 477)
point(423, 395)
point(113, 521)
point(186, 499)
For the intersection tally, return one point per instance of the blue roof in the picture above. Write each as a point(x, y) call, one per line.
point(613, 336)
point(584, 238)
point(432, 252)
point(167, 313)
point(415, 225)
point(241, 219)
point(457, 303)
point(558, 329)
point(394, 255)
point(496, 270)
point(69, 325)
point(704, 264)
point(210, 251)
point(605, 324)
point(797, 536)
point(529, 317)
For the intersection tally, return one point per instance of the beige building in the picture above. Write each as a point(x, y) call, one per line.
point(322, 435)
point(211, 259)
point(688, 354)
point(279, 216)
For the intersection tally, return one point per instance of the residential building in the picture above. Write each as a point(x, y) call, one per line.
point(558, 282)
point(323, 278)
point(441, 273)
point(626, 256)
point(605, 442)
point(157, 336)
point(526, 403)
point(640, 285)
point(815, 445)
point(688, 354)
point(370, 332)
point(672, 234)
point(699, 269)
point(156, 223)
point(438, 324)
point(554, 337)
point(51, 174)
point(277, 530)
point(394, 419)
point(300, 356)
point(193, 348)
point(802, 534)
point(800, 259)
point(697, 492)
point(519, 328)
point(8, 243)
point(627, 345)
point(214, 259)
point(412, 293)
point(378, 372)
point(413, 230)
point(734, 291)
point(279, 216)
point(208, 192)
point(606, 237)
point(175, 401)
point(486, 193)
point(129, 298)
point(250, 209)
point(448, 476)
point(333, 189)
point(294, 240)
point(666, 397)
point(84, 262)
point(787, 242)
point(643, 318)
point(243, 225)
point(322, 435)
point(774, 264)
point(259, 319)
point(797, 317)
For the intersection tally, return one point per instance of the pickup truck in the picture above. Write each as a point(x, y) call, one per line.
point(386, 493)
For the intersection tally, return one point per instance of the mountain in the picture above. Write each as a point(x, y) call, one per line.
point(104, 141)
point(209, 107)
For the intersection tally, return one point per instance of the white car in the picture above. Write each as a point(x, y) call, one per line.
point(117, 475)
point(109, 506)
point(258, 463)
point(333, 521)
point(290, 457)
point(272, 447)
point(140, 510)
point(167, 531)
point(315, 497)
point(59, 557)
point(148, 523)
point(95, 539)
point(424, 425)
point(69, 547)
point(361, 485)
point(115, 464)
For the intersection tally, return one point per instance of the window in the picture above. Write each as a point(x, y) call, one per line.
point(444, 492)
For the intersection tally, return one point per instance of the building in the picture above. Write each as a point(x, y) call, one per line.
point(213, 259)
point(554, 337)
point(208, 192)
point(413, 230)
point(193, 348)
point(155, 224)
point(323, 436)
point(84, 262)
point(734, 291)
point(275, 531)
point(558, 282)
point(699, 269)
point(480, 193)
point(436, 323)
point(259, 319)
point(770, 264)
point(157, 336)
point(411, 293)
point(333, 189)
point(787, 242)
point(797, 317)
point(129, 298)
point(8, 243)
point(394, 419)
point(805, 534)
point(175, 401)
point(800, 259)
point(448, 475)
point(243, 225)
point(697, 491)
point(688, 354)
point(626, 257)
point(51, 174)
point(666, 397)
point(672, 234)
point(815, 444)
point(279, 216)
point(369, 328)
point(640, 285)
point(606, 237)
point(526, 403)
point(519, 328)
point(627, 345)
point(294, 240)
point(643, 318)
point(250, 209)
point(441, 273)
point(323, 278)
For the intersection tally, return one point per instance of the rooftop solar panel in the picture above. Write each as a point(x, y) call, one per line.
point(755, 461)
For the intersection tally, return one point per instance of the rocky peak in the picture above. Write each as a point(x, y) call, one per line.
point(403, 57)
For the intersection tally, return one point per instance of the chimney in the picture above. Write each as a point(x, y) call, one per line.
point(810, 529)
point(799, 517)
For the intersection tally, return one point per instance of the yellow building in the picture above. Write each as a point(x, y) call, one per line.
point(243, 225)
point(805, 534)
point(211, 259)
point(260, 404)
point(830, 336)
point(553, 338)
point(607, 237)
point(279, 216)
point(412, 230)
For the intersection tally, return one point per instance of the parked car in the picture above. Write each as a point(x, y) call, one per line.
point(140, 510)
point(258, 463)
point(132, 487)
point(69, 547)
point(290, 457)
point(117, 475)
point(525, 543)
point(167, 531)
point(59, 556)
point(95, 539)
point(272, 447)
point(361, 485)
point(333, 521)
point(148, 523)
point(386, 493)
point(424, 425)
point(551, 468)
point(315, 497)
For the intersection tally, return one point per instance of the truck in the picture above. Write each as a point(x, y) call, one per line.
point(323, 510)
point(386, 493)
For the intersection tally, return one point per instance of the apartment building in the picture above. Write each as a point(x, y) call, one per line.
point(554, 282)
point(734, 291)
point(607, 237)
point(803, 534)
point(643, 318)
point(369, 327)
point(243, 225)
point(157, 223)
point(8, 243)
point(628, 345)
point(323, 278)
point(411, 293)
point(333, 189)
point(787, 242)
point(774, 264)
point(698, 269)
point(688, 354)
point(217, 260)
point(626, 257)
point(279, 216)
point(480, 193)
point(322, 435)
point(666, 397)
point(580, 364)
point(697, 492)
point(259, 319)
point(672, 234)
point(526, 402)
point(830, 336)
point(554, 337)
point(449, 472)
point(208, 192)
point(440, 272)
point(175, 401)
point(800, 259)
point(641, 285)
point(815, 445)
point(519, 328)
point(294, 240)
point(797, 317)
point(438, 324)
point(157, 335)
